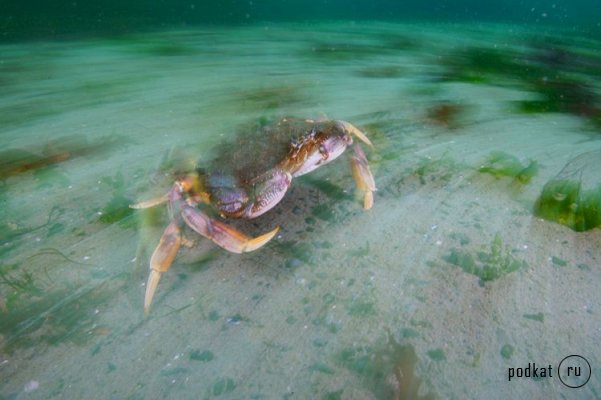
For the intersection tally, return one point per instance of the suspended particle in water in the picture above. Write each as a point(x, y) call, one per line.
point(31, 386)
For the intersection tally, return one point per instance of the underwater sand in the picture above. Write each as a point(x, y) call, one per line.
point(343, 303)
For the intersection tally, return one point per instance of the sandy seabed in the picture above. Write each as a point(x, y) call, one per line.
point(343, 303)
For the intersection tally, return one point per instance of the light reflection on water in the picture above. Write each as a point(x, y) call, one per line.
point(436, 291)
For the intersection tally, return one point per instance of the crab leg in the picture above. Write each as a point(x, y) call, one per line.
point(151, 203)
point(161, 260)
point(223, 235)
point(363, 177)
point(173, 196)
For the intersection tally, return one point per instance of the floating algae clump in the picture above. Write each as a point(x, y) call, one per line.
point(573, 197)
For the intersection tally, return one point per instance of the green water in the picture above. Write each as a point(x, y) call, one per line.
point(456, 274)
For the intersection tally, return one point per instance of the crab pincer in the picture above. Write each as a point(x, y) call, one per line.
point(223, 235)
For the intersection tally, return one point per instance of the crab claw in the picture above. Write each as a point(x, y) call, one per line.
point(161, 260)
point(363, 177)
point(353, 130)
point(223, 235)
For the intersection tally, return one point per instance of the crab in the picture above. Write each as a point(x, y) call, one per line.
point(251, 179)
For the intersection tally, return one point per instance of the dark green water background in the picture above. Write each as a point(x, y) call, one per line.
point(56, 19)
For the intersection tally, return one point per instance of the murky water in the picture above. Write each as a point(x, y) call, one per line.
point(481, 253)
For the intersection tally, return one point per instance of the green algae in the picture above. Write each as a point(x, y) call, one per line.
point(174, 371)
point(507, 351)
point(51, 316)
point(325, 322)
point(409, 333)
point(17, 161)
point(381, 364)
point(335, 395)
point(558, 86)
point(563, 95)
point(540, 317)
point(204, 356)
point(271, 98)
point(152, 46)
point(296, 253)
point(573, 197)
point(565, 202)
point(167, 49)
point(486, 265)
point(21, 281)
point(501, 164)
point(361, 309)
point(118, 209)
point(584, 267)
point(214, 316)
point(344, 51)
point(324, 212)
point(436, 355)
point(430, 170)
point(223, 386)
point(485, 65)
point(382, 71)
point(322, 368)
point(461, 237)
